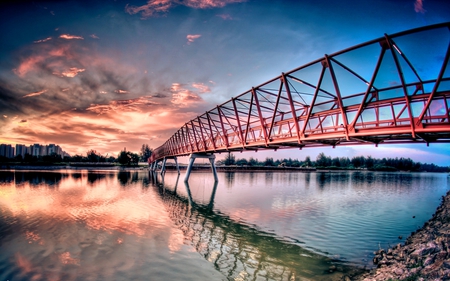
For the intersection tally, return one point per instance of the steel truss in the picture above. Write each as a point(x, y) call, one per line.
point(394, 89)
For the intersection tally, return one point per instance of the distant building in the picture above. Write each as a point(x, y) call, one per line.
point(22, 150)
point(6, 150)
point(35, 150)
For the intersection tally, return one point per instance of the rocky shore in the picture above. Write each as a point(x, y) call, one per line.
point(423, 256)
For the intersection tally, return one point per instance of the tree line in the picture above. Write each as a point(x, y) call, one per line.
point(124, 157)
point(323, 161)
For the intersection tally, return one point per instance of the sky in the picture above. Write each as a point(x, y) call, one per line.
point(108, 75)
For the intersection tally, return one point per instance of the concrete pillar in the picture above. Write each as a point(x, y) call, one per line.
point(192, 158)
point(163, 166)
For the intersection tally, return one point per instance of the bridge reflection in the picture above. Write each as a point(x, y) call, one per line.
point(241, 251)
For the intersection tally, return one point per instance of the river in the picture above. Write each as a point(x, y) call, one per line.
point(136, 225)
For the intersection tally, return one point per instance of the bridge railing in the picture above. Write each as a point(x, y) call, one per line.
point(393, 89)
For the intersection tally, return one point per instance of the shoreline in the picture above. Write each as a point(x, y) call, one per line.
point(425, 255)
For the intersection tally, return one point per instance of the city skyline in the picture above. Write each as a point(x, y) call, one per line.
point(117, 74)
point(36, 149)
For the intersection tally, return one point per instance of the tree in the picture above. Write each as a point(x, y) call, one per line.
point(308, 162)
point(358, 161)
point(92, 156)
point(128, 158)
point(269, 162)
point(241, 162)
point(252, 162)
point(124, 158)
point(134, 158)
point(145, 152)
point(229, 159)
point(322, 160)
point(369, 162)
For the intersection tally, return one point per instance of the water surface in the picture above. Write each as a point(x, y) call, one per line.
point(133, 225)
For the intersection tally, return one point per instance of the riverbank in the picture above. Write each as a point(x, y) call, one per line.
point(70, 167)
point(425, 254)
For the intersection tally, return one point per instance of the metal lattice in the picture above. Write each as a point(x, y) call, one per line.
point(394, 89)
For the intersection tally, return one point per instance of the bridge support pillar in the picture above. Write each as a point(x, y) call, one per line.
point(155, 165)
point(163, 167)
point(193, 156)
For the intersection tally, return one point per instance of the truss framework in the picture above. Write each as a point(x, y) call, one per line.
point(394, 89)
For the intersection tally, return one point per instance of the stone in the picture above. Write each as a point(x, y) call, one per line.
point(398, 271)
point(332, 268)
point(446, 264)
point(429, 260)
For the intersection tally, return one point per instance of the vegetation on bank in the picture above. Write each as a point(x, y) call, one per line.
point(339, 163)
point(128, 158)
point(125, 158)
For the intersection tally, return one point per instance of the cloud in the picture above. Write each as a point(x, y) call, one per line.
point(201, 87)
point(192, 37)
point(43, 40)
point(139, 104)
point(183, 97)
point(70, 37)
point(94, 36)
point(35, 94)
point(225, 16)
point(418, 7)
point(72, 72)
point(121, 92)
point(158, 7)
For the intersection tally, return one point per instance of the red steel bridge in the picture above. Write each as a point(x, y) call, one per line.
point(393, 89)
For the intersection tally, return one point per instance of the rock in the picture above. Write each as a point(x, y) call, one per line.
point(346, 278)
point(400, 237)
point(398, 271)
point(332, 268)
point(425, 254)
point(446, 264)
point(429, 260)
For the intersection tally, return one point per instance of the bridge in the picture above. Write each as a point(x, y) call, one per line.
point(392, 90)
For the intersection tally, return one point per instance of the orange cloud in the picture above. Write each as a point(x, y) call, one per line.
point(201, 87)
point(35, 94)
point(152, 8)
point(121, 105)
point(156, 7)
point(70, 37)
point(183, 97)
point(192, 37)
point(72, 72)
point(28, 65)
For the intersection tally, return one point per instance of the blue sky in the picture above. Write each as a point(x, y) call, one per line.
point(106, 75)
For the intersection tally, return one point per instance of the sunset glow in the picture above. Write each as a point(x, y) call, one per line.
point(123, 74)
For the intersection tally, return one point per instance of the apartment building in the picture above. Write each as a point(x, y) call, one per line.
point(7, 150)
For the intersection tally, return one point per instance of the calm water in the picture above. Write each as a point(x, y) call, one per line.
point(111, 225)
